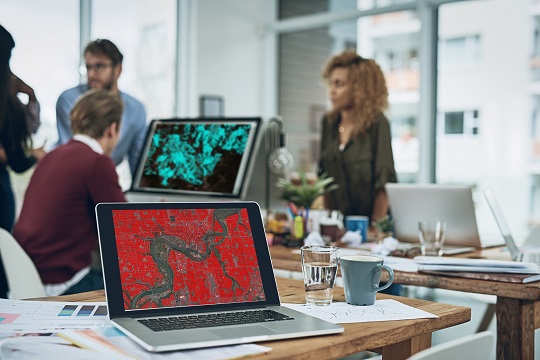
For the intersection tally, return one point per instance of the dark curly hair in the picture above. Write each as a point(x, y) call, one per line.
point(369, 87)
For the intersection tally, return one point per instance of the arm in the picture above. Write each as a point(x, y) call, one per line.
point(32, 108)
point(103, 182)
point(384, 169)
point(136, 146)
point(63, 123)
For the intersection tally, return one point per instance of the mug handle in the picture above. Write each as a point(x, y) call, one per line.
point(390, 280)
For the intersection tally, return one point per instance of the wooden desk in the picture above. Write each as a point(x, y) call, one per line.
point(394, 339)
point(517, 309)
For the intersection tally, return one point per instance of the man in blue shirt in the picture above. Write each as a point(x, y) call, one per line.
point(103, 62)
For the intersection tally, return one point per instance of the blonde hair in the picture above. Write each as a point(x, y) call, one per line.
point(369, 88)
point(94, 111)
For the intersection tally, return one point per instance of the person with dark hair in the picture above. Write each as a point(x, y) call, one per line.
point(57, 225)
point(356, 143)
point(103, 66)
point(17, 121)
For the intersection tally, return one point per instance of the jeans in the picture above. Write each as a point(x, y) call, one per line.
point(92, 281)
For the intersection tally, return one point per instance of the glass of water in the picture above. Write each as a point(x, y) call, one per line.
point(319, 265)
point(431, 236)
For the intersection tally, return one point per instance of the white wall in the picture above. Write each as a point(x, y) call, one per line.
point(229, 59)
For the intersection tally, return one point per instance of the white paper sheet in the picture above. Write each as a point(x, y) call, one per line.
point(26, 315)
point(343, 313)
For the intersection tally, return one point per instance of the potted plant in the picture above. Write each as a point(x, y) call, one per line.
point(385, 228)
point(303, 193)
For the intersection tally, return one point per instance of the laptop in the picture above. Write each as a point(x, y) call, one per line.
point(410, 203)
point(529, 254)
point(192, 275)
point(196, 159)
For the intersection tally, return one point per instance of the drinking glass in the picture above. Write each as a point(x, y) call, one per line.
point(431, 235)
point(319, 266)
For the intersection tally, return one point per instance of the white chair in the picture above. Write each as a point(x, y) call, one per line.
point(22, 276)
point(472, 347)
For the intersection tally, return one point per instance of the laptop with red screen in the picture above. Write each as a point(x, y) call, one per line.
point(192, 275)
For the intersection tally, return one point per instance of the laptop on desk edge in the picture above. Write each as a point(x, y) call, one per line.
point(188, 259)
point(411, 203)
point(531, 254)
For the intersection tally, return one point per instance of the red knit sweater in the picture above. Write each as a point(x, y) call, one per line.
point(57, 224)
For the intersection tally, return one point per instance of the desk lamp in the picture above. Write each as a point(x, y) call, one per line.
point(279, 161)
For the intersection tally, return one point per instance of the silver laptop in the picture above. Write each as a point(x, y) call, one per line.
point(410, 203)
point(530, 254)
point(192, 275)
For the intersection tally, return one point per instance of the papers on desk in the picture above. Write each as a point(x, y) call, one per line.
point(30, 316)
point(343, 313)
point(109, 342)
point(433, 263)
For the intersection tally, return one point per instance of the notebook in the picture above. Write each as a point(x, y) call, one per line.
point(529, 254)
point(410, 203)
point(189, 275)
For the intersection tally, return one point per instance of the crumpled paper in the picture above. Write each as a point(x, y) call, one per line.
point(352, 238)
point(388, 245)
point(314, 238)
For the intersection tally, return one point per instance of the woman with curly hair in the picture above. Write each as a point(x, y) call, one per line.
point(356, 143)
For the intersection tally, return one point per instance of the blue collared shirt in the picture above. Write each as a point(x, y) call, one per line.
point(132, 127)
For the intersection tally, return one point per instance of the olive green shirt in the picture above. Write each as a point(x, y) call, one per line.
point(364, 166)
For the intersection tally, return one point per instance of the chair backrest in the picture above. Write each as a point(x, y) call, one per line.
point(22, 276)
point(472, 347)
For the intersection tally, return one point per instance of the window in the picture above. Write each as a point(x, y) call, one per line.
point(146, 38)
point(463, 50)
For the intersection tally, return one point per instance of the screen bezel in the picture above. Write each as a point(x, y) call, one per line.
point(244, 172)
point(111, 270)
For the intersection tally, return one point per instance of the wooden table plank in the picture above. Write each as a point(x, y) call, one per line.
point(396, 339)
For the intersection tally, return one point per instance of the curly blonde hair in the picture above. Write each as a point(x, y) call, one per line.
point(369, 88)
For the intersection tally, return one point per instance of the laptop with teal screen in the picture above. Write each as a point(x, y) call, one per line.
point(193, 275)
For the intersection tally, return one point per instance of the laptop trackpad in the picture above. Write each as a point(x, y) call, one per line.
point(244, 331)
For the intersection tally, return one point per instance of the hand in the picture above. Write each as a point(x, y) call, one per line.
point(39, 153)
point(19, 86)
point(3, 156)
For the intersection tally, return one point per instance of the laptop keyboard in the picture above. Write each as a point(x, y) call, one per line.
point(211, 320)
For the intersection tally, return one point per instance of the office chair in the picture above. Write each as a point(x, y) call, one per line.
point(22, 276)
point(472, 347)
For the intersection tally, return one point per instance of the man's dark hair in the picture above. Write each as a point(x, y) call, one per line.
point(105, 47)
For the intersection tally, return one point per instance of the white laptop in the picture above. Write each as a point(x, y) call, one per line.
point(411, 203)
point(529, 254)
point(193, 275)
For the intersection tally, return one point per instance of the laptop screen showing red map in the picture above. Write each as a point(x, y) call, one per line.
point(186, 257)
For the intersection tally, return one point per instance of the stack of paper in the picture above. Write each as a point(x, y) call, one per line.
point(432, 263)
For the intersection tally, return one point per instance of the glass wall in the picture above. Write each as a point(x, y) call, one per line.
point(486, 115)
point(147, 39)
point(488, 94)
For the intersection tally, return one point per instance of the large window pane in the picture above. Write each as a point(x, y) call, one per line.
point(146, 37)
point(392, 40)
point(487, 124)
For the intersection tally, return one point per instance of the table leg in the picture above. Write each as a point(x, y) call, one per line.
point(404, 349)
point(515, 329)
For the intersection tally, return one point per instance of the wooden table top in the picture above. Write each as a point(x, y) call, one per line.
point(357, 337)
point(286, 259)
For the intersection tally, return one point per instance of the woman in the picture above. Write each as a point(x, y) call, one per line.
point(16, 122)
point(356, 143)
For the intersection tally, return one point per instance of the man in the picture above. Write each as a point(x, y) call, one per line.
point(57, 224)
point(103, 63)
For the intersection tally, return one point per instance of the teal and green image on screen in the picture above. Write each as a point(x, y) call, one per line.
point(197, 157)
